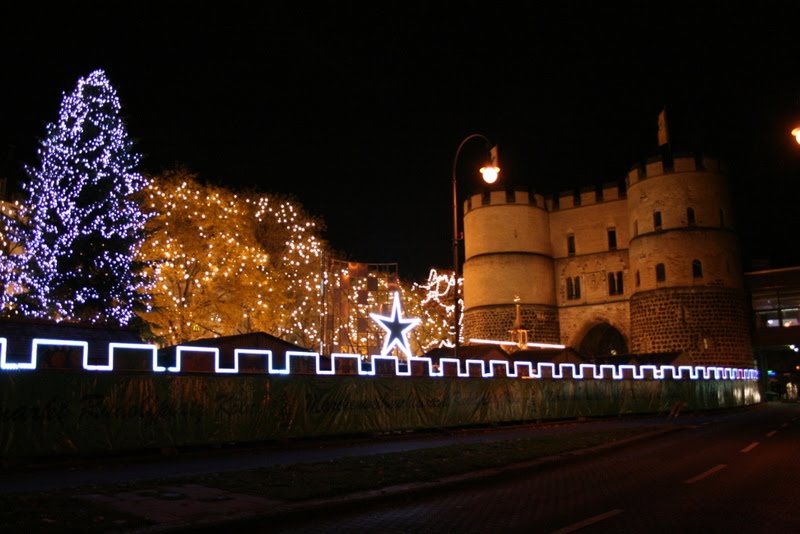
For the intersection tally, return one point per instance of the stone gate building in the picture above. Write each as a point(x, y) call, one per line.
point(652, 267)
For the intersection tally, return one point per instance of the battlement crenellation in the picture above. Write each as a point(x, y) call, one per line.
point(657, 166)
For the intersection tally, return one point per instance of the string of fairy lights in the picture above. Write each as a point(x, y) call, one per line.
point(436, 308)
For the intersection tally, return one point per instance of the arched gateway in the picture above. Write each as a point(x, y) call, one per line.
point(602, 341)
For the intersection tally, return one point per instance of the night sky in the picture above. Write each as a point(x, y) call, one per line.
point(357, 111)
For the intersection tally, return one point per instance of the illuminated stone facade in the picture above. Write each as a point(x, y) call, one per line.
point(652, 267)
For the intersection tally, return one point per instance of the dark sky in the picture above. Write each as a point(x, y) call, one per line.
point(357, 110)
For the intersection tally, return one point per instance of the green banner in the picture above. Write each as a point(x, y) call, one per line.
point(46, 413)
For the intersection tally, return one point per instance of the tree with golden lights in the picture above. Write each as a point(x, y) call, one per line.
point(227, 263)
point(291, 238)
point(431, 301)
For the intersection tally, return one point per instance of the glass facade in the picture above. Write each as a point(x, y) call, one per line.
point(776, 307)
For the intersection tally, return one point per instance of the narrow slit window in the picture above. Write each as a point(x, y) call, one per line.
point(697, 269)
point(690, 218)
point(661, 272)
point(657, 220)
point(615, 283)
point(612, 239)
point(571, 245)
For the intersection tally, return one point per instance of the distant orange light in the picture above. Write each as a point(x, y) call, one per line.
point(796, 134)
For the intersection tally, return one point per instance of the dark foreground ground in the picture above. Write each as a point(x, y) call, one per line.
point(203, 489)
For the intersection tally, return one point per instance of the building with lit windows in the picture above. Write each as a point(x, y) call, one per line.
point(775, 298)
point(649, 266)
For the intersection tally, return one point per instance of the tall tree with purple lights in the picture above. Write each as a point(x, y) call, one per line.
point(80, 224)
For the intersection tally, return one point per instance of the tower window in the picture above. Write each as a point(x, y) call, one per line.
point(573, 288)
point(657, 220)
point(690, 219)
point(661, 272)
point(635, 227)
point(615, 283)
point(638, 279)
point(697, 269)
point(612, 239)
point(571, 245)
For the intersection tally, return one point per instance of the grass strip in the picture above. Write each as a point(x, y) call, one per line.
point(64, 510)
point(360, 473)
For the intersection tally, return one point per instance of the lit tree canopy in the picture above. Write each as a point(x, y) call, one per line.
point(80, 225)
point(227, 263)
point(292, 238)
point(432, 301)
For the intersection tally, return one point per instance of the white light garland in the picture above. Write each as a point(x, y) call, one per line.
point(367, 367)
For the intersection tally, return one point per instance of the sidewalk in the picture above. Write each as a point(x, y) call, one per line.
point(189, 506)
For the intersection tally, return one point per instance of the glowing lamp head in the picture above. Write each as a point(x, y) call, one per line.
point(490, 174)
point(796, 134)
point(491, 171)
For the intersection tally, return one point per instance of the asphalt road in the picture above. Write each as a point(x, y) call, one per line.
point(738, 471)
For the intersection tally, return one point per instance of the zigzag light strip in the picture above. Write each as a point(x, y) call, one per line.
point(363, 367)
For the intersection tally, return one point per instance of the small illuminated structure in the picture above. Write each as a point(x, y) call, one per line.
point(796, 134)
point(519, 334)
point(396, 328)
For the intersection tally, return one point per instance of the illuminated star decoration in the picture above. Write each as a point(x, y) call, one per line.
point(396, 328)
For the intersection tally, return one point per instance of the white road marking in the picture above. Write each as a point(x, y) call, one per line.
point(586, 522)
point(703, 475)
point(750, 447)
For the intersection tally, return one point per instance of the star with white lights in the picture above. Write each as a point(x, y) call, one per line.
point(396, 328)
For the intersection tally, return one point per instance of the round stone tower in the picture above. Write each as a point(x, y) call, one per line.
point(688, 293)
point(508, 261)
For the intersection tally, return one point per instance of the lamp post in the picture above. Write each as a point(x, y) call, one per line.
point(489, 172)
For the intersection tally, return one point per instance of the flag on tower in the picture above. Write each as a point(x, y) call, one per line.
point(663, 133)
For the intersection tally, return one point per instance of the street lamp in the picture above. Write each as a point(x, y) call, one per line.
point(490, 171)
point(796, 134)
